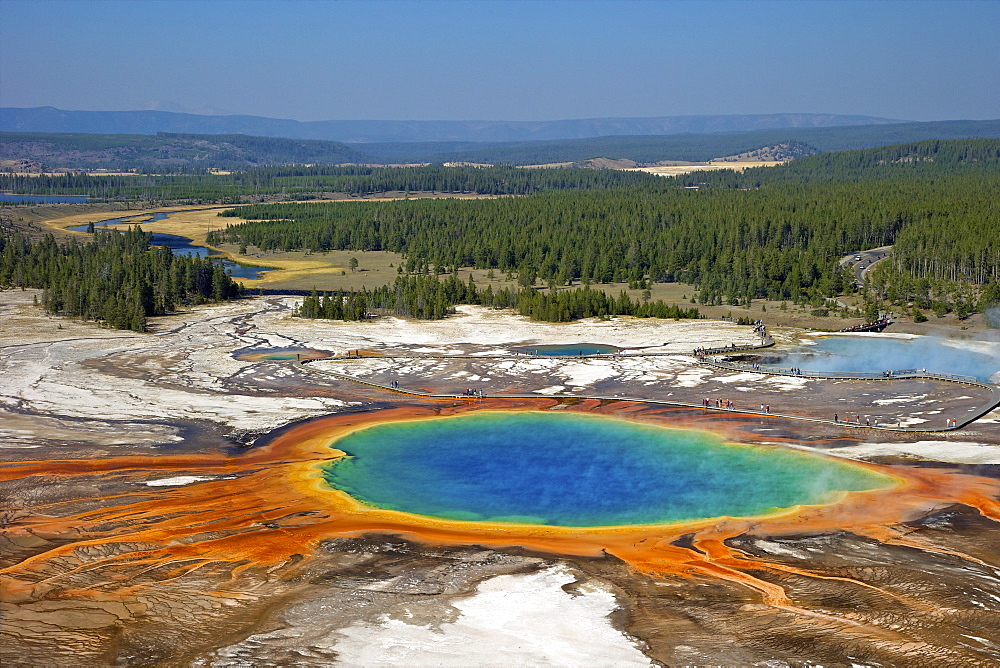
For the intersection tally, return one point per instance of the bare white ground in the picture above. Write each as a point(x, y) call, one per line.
point(993, 417)
point(692, 377)
point(787, 383)
point(184, 369)
point(581, 375)
point(902, 399)
point(511, 620)
point(179, 480)
point(483, 326)
point(176, 374)
point(952, 452)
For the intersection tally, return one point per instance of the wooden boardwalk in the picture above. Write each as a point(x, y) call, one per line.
point(975, 415)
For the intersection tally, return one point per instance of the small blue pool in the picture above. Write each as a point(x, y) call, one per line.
point(569, 349)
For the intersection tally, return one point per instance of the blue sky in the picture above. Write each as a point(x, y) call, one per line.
point(540, 60)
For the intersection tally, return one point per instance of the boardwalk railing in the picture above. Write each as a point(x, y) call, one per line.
point(859, 375)
point(703, 356)
point(990, 405)
point(765, 343)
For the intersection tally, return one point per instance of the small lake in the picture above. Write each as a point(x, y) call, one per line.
point(177, 244)
point(568, 349)
point(878, 353)
point(43, 199)
point(280, 354)
point(578, 470)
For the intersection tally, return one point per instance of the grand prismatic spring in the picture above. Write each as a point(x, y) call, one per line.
point(576, 471)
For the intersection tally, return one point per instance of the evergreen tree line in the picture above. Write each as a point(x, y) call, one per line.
point(368, 180)
point(778, 242)
point(889, 286)
point(926, 159)
point(305, 183)
point(430, 298)
point(117, 279)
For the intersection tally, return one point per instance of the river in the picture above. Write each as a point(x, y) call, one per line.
point(178, 244)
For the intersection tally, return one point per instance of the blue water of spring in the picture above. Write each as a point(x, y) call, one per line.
point(568, 469)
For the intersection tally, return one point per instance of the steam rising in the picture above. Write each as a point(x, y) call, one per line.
point(875, 354)
point(992, 316)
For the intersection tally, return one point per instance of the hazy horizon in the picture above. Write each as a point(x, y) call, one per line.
point(179, 109)
point(503, 61)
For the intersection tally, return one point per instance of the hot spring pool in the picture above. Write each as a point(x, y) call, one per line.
point(577, 470)
point(568, 349)
point(264, 354)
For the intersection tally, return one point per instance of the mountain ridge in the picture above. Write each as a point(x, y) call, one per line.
point(52, 120)
point(40, 152)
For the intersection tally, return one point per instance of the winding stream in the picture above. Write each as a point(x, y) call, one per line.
point(177, 244)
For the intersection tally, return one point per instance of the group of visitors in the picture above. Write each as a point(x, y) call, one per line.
point(857, 420)
point(473, 392)
point(719, 403)
point(870, 422)
point(731, 405)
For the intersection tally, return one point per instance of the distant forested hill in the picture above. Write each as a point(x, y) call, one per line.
point(21, 152)
point(688, 147)
point(163, 152)
point(50, 119)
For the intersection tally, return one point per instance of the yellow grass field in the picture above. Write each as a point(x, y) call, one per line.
point(714, 165)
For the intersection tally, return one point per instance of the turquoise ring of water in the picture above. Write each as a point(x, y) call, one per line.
point(577, 470)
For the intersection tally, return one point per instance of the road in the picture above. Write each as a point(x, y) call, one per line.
point(868, 259)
